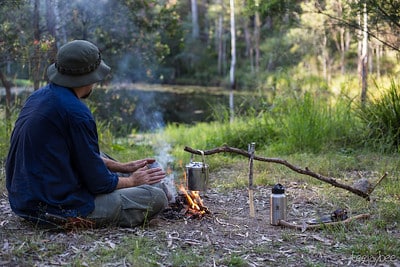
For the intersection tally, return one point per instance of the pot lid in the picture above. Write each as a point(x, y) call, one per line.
point(196, 165)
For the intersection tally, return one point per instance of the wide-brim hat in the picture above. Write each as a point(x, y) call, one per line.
point(78, 64)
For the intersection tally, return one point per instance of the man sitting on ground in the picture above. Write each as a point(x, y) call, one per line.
point(54, 165)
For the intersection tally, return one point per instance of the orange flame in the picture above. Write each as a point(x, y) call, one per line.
point(193, 197)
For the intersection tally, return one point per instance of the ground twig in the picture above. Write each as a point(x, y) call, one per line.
point(323, 225)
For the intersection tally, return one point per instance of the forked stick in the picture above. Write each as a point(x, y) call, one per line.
point(304, 171)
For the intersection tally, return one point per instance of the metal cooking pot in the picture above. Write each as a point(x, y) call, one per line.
point(197, 174)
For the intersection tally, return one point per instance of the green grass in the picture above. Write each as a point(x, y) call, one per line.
point(381, 116)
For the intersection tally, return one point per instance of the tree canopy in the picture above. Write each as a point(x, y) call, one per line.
point(153, 41)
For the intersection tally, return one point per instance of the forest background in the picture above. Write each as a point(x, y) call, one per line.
point(296, 45)
point(341, 55)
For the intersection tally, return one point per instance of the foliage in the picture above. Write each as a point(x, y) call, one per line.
point(151, 40)
point(381, 118)
point(5, 133)
point(384, 16)
point(14, 42)
point(6, 127)
point(310, 124)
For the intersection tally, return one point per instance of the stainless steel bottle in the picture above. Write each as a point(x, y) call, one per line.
point(278, 204)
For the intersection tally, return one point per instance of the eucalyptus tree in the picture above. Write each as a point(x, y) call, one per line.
point(384, 25)
point(384, 29)
point(380, 21)
point(363, 52)
point(373, 25)
point(262, 17)
point(326, 37)
point(195, 19)
point(232, 77)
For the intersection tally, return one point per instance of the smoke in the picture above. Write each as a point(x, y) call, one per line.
point(152, 121)
point(150, 118)
point(164, 158)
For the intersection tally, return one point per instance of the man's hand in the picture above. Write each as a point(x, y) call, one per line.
point(140, 177)
point(127, 167)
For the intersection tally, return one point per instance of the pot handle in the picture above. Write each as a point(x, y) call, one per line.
point(203, 168)
point(203, 158)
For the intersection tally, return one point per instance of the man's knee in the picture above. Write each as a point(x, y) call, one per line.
point(160, 198)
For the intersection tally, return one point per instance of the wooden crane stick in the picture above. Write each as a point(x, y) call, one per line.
point(305, 171)
point(251, 149)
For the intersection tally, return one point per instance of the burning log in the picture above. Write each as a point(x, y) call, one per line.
point(188, 204)
point(305, 171)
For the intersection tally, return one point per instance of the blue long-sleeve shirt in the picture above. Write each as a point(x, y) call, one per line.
point(54, 165)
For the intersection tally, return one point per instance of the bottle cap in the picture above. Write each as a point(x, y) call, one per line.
point(278, 189)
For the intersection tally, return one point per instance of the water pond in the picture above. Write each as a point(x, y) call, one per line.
point(150, 107)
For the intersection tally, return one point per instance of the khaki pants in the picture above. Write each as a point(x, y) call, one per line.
point(129, 207)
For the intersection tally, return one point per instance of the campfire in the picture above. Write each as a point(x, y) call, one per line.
point(188, 204)
point(194, 202)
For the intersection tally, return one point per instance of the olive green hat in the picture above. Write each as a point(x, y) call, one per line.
point(78, 63)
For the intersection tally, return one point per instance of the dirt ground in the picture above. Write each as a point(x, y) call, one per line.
point(226, 233)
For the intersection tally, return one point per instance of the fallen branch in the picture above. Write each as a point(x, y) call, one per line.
point(323, 225)
point(305, 171)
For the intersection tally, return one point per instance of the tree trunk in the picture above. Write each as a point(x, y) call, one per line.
point(249, 45)
point(195, 19)
point(233, 59)
point(220, 41)
point(342, 53)
point(257, 26)
point(53, 22)
point(36, 46)
point(61, 34)
point(7, 86)
point(324, 56)
point(363, 60)
point(378, 60)
point(51, 17)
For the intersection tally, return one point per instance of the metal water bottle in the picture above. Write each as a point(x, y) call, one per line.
point(278, 204)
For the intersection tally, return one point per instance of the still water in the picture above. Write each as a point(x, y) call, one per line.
point(147, 108)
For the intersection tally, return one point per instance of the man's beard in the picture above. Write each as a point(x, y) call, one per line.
point(88, 94)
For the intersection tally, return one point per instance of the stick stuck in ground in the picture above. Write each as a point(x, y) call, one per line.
point(251, 149)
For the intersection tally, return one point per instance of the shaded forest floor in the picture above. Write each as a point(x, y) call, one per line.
point(226, 237)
